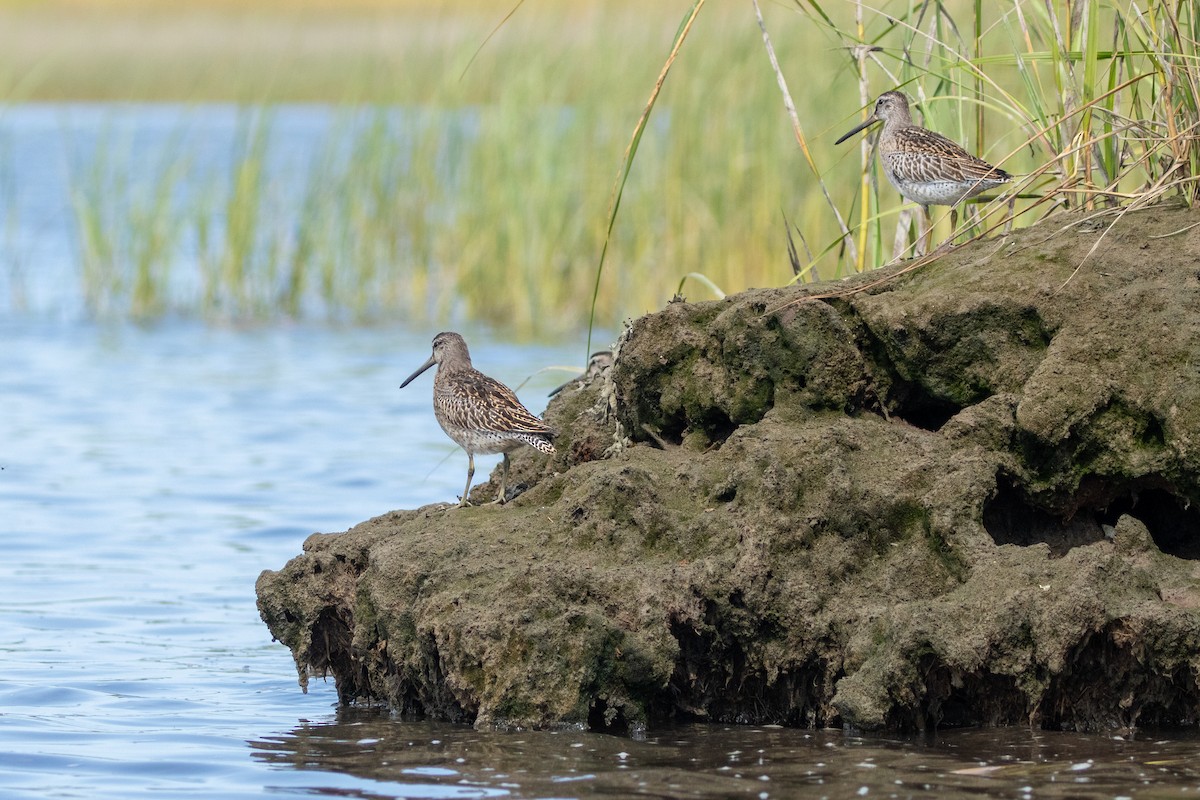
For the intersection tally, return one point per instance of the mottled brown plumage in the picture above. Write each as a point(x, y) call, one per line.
point(600, 361)
point(479, 413)
point(926, 167)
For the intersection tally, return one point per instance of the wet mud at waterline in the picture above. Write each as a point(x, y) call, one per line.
point(968, 495)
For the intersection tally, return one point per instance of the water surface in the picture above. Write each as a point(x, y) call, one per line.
point(714, 761)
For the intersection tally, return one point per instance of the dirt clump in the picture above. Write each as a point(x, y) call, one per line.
point(969, 494)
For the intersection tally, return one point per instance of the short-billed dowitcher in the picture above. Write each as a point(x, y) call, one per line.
point(926, 167)
point(600, 361)
point(479, 413)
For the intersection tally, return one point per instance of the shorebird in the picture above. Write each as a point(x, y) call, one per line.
point(600, 361)
point(926, 167)
point(479, 413)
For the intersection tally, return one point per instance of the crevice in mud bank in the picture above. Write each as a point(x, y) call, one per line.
point(603, 719)
point(953, 698)
point(1174, 525)
point(670, 435)
point(709, 664)
point(1107, 686)
point(1011, 518)
point(1110, 686)
point(715, 681)
point(718, 427)
point(330, 653)
point(929, 367)
point(428, 694)
point(913, 404)
point(713, 428)
point(895, 396)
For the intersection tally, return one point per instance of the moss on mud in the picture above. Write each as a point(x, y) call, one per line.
point(962, 496)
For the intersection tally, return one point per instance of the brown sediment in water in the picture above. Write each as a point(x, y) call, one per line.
point(1016, 539)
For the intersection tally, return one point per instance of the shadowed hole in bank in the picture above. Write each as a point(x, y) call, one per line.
point(714, 679)
point(1173, 524)
point(919, 408)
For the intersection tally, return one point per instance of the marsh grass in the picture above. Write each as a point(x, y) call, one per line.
point(487, 193)
point(482, 198)
point(232, 270)
point(129, 232)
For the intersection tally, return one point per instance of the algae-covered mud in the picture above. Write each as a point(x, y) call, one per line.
point(968, 494)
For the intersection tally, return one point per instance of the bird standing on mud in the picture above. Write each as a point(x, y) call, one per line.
point(926, 167)
point(597, 364)
point(479, 413)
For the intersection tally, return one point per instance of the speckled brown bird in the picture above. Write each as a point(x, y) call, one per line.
point(479, 413)
point(926, 167)
point(597, 364)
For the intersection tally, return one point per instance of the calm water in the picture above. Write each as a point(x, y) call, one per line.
point(148, 474)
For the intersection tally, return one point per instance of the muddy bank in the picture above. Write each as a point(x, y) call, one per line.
point(961, 496)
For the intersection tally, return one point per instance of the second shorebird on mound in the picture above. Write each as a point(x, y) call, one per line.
point(479, 413)
point(926, 167)
point(600, 361)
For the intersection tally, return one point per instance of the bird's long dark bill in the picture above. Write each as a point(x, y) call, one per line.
point(421, 369)
point(560, 388)
point(866, 123)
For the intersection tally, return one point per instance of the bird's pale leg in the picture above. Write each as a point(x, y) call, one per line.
point(503, 480)
point(927, 236)
point(470, 474)
point(953, 222)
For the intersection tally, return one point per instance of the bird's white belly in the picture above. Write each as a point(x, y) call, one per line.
point(480, 442)
point(939, 192)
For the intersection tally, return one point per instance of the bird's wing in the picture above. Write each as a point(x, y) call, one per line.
point(919, 154)
point(487, 404)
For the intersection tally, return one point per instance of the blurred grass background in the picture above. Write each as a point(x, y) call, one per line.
point(499, 218)
point(487, 197)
